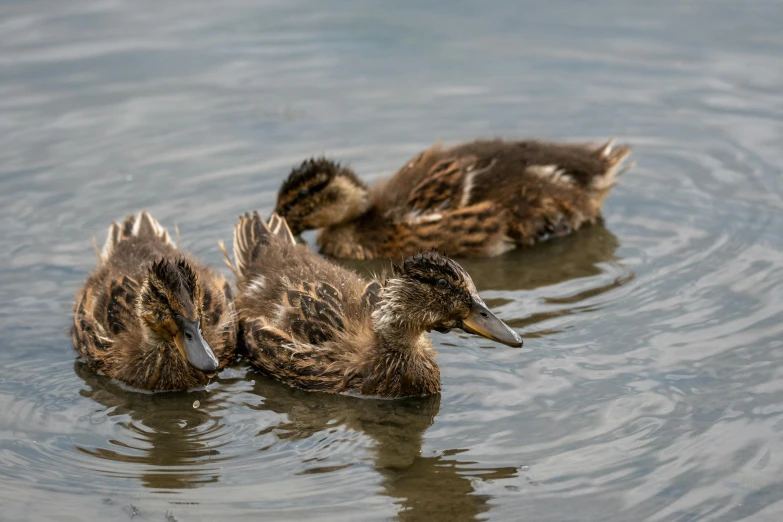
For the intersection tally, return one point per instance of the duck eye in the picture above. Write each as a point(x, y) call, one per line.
point(442, 283)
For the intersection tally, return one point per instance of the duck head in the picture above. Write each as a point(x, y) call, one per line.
point(432, 292)
point(321, 193)
point(170, 305)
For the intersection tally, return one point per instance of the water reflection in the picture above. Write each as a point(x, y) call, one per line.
point(424, 487)
point(568, 266)
point(175, 446)
point(167, 437)
point(168, 445)
point(552, 262)
point(654, 399)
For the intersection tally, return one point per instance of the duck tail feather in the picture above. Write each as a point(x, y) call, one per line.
point(250, 234)
point(279, 228)
point(141, 225)
point(227, 259)
point(613, 158)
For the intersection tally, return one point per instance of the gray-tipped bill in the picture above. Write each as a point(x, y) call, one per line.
point(194, 348)
point(486, 324)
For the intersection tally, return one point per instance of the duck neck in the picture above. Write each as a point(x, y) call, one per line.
point(398, 329)
point(353, 200)
point(395, 337)
point(403, 363)
point(351, 240)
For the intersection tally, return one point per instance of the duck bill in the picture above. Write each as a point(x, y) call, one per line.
point(191, 344)
point(486, 324)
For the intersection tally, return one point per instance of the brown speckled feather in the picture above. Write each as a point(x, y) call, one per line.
point(476, 199)
point(108, 331)
point(308, 322)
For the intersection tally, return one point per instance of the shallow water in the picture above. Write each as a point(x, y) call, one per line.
point(650, 386)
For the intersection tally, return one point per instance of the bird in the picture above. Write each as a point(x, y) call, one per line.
point(151, 315)
point(476, 199)
point(315, 325)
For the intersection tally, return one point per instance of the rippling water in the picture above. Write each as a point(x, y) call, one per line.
point(651, 382)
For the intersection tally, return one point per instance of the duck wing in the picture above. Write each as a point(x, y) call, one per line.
point(140, 227)
point(101, 313)
point(447, 185)
point(481, 198)
point(120, 306)
point(294, 345)
point(89, 336)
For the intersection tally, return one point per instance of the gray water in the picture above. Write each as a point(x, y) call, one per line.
point(650, 386)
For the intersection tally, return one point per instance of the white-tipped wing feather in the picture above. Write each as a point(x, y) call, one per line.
point(251, 232)
point(140, 225)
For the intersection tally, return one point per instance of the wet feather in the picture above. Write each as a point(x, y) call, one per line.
point(476, 199)
point(119, 323)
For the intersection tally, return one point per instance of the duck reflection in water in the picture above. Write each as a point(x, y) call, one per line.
point(545, 264)
point(179, 448)
point(423, 487)
point(171, 439)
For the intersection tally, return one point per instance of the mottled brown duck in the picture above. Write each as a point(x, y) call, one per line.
point(152, 316)
point(476, 199)
point(315, 325)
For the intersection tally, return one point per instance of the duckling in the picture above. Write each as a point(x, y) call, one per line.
point(315, 325)
point(476, 199)
point(152, 316)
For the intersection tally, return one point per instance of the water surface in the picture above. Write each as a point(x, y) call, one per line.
point(650, 386)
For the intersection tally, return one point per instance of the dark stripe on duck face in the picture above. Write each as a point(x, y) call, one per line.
point(152, 298)
point(431, 281)
point(432, 278)
point(180, 279)
point(187, 276)
point(304, 191)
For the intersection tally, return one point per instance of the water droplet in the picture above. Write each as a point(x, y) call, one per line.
point(196, 404)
